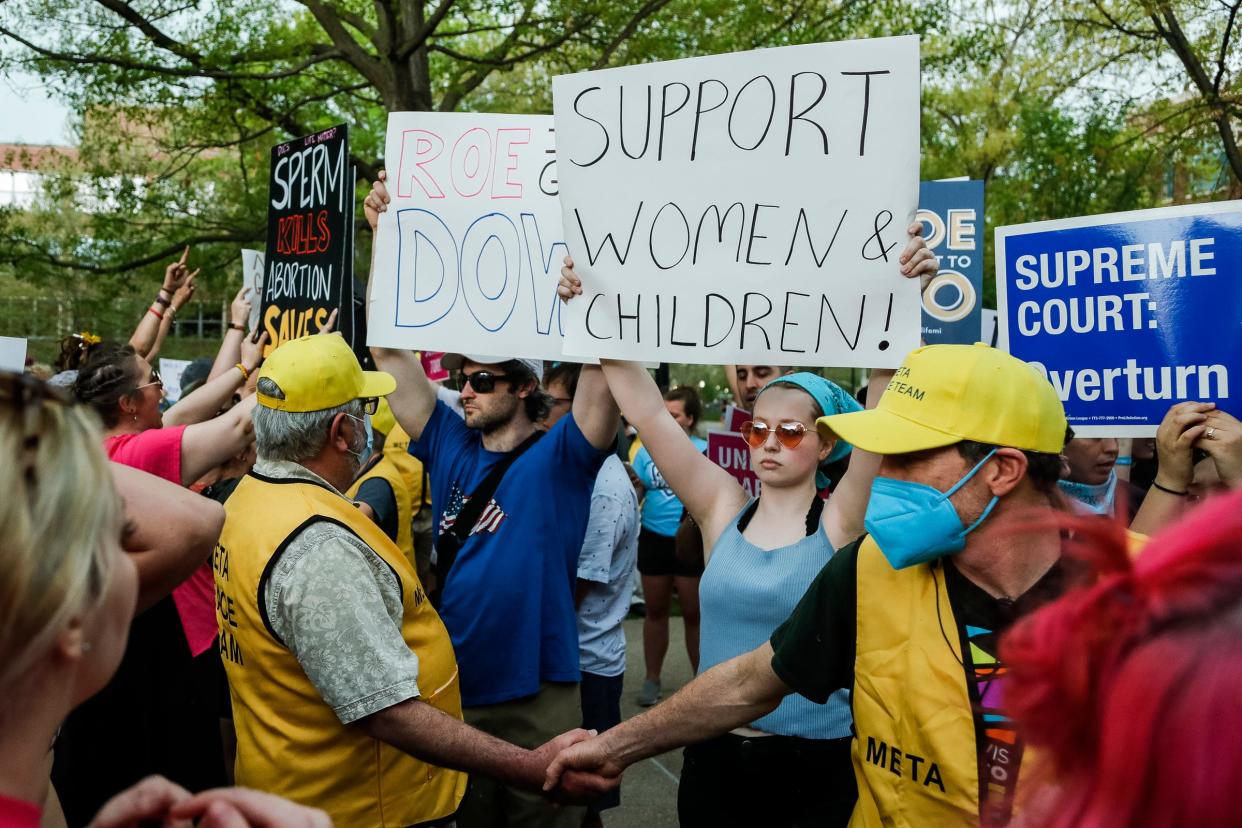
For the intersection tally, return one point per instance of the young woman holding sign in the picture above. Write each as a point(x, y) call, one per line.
point(762, 554)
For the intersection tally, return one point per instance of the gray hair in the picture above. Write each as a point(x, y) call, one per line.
point(294, 435)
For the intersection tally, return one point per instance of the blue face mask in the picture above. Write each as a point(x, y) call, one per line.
point(1099, 500)
point(365, 454)
point(913, 523)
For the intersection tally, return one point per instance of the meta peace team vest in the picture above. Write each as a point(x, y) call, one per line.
point(397, 449)
point(383, 468)
point(915, 755)
point(289, 742)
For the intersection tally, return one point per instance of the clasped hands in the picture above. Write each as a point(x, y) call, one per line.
point(577, 767)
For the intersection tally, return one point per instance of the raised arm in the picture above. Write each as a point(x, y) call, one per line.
point(843, 516)
point(595, 410)
point(415, 397)
point(205, 402)
point(175, 275)
point(169, 531)
point(230, 347)
point(709, 493)
point(208, 444)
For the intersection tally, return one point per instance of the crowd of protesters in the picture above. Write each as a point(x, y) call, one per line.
point(310, 594)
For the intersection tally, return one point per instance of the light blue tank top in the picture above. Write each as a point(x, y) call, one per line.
point(745, 594)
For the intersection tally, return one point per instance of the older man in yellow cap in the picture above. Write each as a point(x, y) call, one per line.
point(908, 616)
point(343, 678)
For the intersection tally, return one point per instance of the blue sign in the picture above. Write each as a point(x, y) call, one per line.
point(1128, 313)
point(952, 215)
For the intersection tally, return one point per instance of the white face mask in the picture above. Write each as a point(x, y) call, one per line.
point(364, 454)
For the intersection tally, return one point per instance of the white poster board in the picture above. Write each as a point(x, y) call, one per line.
point(469, 252)
point(1127, 314)
point(744, 208)
point(252, 277)
point(170, 372)
point(12, 353)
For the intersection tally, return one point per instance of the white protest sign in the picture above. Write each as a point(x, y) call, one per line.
point(469, 252)
point(744, 208)
point(252, 277)
point(170, 372)
point(12, 353)
point(990, 327)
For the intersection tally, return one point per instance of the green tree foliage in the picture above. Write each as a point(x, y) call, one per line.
point(183, 99)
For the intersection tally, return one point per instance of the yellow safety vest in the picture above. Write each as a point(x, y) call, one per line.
point(915, 753)
point(384, 468)
point(289, 742)
point(397, 449)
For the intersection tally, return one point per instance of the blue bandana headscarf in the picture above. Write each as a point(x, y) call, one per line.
point(831, 399)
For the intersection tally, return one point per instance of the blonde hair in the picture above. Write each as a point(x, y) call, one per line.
point(58, 509)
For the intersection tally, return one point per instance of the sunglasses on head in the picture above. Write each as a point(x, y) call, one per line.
point(788, 435)
point(156, 379)
point(483, 382)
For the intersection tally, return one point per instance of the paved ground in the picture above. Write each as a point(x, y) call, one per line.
point(649, 792)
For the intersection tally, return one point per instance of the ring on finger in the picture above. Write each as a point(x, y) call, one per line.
point(1210, 433)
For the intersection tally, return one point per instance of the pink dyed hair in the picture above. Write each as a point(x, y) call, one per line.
point(1131, 686)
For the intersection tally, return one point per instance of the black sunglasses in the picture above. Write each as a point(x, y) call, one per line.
point(483, 382)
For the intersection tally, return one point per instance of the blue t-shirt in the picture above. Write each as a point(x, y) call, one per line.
point(508, 602)
point(661, 508)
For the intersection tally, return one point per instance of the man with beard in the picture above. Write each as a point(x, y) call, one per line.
point(343, 681)
point(748, 380)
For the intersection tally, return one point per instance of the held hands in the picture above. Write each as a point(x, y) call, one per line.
point(917, 261)
point(156, 800)
point(582, 771)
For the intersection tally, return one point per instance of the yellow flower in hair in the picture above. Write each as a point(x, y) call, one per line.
point(89, 338)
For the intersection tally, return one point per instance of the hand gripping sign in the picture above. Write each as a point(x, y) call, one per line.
point(745, 208)
point(469, 252)
point(1127, 313)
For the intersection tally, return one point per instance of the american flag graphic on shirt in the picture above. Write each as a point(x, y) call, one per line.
point(489, 521)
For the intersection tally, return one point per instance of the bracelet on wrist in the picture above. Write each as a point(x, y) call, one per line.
point(233, 326)
point(155, 313)
point(161, 301)
point(245, 374)
point(1167, 490)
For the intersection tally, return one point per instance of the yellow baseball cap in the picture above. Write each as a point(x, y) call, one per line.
point(943, 394)
point(317, 372)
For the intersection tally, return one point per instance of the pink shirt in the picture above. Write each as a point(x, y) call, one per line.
point(18, 813)
point(157, 451)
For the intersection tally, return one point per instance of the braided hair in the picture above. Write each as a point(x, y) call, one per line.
point(108, 375)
